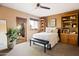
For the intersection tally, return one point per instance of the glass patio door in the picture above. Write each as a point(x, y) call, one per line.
point(3, 37)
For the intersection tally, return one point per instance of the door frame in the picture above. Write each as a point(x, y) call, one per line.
point(25, 26)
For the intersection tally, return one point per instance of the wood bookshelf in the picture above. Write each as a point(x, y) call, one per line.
point(43, 24)
point(69, 31)
point(70, 24)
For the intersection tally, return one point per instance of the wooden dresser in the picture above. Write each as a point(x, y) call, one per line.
point(69, 38)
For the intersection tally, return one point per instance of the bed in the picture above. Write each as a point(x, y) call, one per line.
point(51, 35)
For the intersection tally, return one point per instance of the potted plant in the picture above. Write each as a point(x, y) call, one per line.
point(12, 35)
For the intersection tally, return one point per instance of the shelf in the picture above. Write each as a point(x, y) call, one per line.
point(42, 24)
point(67, 22)
point(70, 23)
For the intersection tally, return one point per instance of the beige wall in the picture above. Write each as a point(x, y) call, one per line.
point(10, 16)
point(59, 16)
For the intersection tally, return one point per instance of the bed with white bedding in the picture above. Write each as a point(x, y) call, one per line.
point(52, 37)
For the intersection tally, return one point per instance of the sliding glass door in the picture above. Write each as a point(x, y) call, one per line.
point(3, 38)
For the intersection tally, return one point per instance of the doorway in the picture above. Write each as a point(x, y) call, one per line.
point(21, 26)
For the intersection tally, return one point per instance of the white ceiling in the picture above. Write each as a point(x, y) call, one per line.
point(30, 8)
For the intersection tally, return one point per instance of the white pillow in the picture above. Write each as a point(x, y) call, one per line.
point(49, 29)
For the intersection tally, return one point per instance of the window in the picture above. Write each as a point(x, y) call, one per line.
point(34, 24)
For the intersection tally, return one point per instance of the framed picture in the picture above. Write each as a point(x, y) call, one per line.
point(53, 22)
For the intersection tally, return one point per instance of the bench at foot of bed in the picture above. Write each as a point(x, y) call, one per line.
point(44, 42)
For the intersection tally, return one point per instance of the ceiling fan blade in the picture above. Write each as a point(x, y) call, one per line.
point(38, 5)
point(44, 7)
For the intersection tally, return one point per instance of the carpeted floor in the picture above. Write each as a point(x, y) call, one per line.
point(24, 49)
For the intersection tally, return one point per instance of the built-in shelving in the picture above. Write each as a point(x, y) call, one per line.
point(70, 24)
point(69, 33)
point(43, 24)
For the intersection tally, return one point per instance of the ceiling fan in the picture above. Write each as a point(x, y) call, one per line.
point(44, 7)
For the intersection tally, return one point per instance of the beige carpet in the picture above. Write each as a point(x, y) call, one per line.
point(59, 49)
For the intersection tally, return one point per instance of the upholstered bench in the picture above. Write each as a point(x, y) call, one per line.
point(44, 42)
